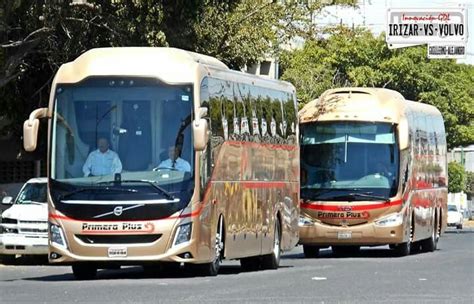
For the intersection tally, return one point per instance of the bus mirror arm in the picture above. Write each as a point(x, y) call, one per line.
point(403, 134)
point(30, 129)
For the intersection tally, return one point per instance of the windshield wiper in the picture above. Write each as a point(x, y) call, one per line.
point(32, 202)
point(368, 195)
point(145, 181)
point(91, 189)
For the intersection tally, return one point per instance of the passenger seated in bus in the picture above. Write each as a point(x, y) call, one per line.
point(102, 161)
point(174, 161)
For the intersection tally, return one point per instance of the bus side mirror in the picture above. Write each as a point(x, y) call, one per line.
point(30, 129)
point(403, 134)
point(200, 134)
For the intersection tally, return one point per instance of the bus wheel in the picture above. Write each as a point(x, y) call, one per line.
point(272, 261)
point(212, 269)
point(83, 271)
point(7, 259)
point(310, 251)
point(430, 244)
point(404, 249)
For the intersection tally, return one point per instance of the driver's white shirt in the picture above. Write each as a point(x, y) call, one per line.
point(180, 164)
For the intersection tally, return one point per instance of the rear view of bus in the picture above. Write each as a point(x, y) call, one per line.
point(373, 172)
point(134, 178)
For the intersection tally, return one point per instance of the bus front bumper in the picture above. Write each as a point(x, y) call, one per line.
point(368, 234)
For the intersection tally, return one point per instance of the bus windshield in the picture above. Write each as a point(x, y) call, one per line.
point(130, 133)
point(348, 161)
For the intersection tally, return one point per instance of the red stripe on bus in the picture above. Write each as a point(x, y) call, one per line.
point(353, 208)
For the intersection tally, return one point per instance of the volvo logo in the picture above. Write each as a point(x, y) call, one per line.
point(118, 210)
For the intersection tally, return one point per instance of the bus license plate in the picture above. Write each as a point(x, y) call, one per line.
point(117, 252)
point(343, 235)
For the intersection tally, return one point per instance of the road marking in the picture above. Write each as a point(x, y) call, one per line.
point(319, 278)
point(422, 279)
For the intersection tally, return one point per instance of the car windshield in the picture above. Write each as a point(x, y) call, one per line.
point(122, 129)
point(349, 161)
point(32, 193)
point(452, 208)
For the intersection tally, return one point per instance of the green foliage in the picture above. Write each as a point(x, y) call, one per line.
point(357, 58)
point(470, 184)
point(37, 36)
point(456, 177)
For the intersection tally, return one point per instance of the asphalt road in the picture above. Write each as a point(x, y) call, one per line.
point(372, 276)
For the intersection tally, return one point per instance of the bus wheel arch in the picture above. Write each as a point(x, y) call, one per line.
point(212, 268)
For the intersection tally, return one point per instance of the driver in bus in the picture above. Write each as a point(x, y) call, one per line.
point(174, 161)
point(102, 161)
point(382, 169)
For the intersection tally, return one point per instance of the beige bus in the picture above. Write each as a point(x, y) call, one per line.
point(373, 172)
point(159, 156)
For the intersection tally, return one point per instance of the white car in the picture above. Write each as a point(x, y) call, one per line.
point(455, 217)
point(24, 226)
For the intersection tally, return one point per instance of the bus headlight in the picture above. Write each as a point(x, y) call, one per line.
point(391, 220)
point(305, 221)
point(57, 235)
point(183, 234)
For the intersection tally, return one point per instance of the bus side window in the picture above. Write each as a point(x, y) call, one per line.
point(206, 158)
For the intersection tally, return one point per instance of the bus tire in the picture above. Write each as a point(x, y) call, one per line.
point(212, 269)
point(272, 260)
point(8, 259)
point(430, 244)
point(84, 271)
point(403, 249)
point(310, 251)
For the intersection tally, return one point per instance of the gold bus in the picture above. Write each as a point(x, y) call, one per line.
point(160, 156)
point(373, 172)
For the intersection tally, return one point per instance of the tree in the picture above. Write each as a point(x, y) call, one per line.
point(37, 36)
point(469, 184)
point(354, 57)
point(456, 177)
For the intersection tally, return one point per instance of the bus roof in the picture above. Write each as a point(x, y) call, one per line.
point(362, 104)
point(168, 64)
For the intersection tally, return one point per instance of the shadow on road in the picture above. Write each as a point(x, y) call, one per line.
point(363, 253)
point(459, 231)
point(137, 272)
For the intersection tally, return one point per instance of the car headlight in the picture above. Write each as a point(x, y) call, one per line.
point(8, 225)
point(305, 221)
point(391, 220)
point(183, 234)
point(57, 235)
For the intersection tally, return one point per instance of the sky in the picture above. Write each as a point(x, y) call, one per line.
point(373, 13)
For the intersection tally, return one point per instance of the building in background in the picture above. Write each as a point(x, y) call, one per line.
point(463, 156)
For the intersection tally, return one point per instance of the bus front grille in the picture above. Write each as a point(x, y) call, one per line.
point(118, 239)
